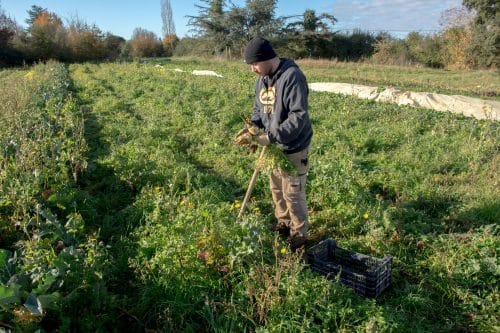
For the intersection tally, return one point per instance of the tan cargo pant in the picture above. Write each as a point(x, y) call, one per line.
point(289, 194)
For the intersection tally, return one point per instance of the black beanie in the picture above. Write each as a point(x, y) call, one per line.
point(258, 49)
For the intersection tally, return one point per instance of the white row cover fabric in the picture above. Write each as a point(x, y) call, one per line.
point(468, 106)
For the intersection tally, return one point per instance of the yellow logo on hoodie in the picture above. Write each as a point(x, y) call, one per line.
point(267, 98)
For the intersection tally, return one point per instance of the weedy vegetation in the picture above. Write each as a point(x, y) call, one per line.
point(120, 187)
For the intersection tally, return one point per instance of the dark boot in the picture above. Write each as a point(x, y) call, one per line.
point(296, 242)
point(282, 228)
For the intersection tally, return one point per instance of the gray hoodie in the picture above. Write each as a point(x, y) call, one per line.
point(280, 107)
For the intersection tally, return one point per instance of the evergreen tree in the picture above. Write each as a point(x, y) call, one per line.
point(485, 43)
point(33, 13)
point(311, 35)
point(261, 18)
point(211, 23)
point(47, 36)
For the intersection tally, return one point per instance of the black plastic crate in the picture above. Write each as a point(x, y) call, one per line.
point(367, 276)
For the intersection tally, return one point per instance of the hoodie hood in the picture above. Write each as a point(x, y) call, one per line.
point(283, 66)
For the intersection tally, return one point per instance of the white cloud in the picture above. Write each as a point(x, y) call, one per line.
point(391, 15)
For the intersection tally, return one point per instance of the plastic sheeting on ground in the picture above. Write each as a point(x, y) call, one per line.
point(206, 72)
point(468, 106)
point(194, 72)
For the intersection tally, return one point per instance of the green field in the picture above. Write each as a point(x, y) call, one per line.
point(482, 84)
point(120, 187)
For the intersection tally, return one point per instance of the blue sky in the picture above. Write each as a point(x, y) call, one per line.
point(121, 17)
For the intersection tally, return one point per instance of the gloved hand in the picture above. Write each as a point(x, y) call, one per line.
point(262, 139)
point(252, 128)
point(245, 136)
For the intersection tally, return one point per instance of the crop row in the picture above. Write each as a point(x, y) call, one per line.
point(43, 248)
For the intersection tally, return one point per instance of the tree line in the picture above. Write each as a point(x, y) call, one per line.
point(47, 37)
point(469, 37)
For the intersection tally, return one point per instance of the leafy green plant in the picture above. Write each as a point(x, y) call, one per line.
point(147, 235)
point(44, 156)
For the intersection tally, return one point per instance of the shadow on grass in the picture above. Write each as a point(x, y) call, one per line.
point(114, 218)
point(474, 218)
point(107, 214)
point(435, 215)
point(227, 189)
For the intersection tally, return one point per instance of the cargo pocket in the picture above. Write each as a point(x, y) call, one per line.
point(300, 161)
point(294, 185)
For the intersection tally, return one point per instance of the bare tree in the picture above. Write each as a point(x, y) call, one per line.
point(459, 16)
point(6, 22)
point(166, 16)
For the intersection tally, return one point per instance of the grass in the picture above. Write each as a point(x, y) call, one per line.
point(160, 194)
point(479, 83)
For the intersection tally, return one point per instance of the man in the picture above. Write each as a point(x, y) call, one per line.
point(280, 117)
